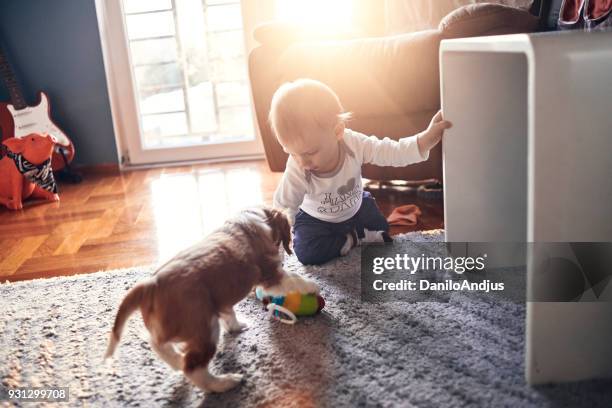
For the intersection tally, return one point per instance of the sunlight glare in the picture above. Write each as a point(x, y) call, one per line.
point(334, 15)
point(176, 211)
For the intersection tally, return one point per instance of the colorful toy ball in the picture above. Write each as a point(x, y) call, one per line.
point(287, 308)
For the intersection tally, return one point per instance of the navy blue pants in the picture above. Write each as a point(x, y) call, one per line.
point(316, 241)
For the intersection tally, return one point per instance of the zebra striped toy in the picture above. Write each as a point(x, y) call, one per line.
point(25, 170)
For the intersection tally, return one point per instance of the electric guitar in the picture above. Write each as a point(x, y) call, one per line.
point(17, 119)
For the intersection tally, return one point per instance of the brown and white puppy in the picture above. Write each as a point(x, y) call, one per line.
point(183, 302)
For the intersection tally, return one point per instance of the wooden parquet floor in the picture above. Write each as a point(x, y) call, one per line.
point(115, 220)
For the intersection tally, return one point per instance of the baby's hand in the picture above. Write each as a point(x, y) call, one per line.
point(432, 135)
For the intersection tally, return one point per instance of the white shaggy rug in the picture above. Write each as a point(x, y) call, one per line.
point(461, 353)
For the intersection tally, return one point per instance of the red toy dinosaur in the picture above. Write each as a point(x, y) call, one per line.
point(25, 170)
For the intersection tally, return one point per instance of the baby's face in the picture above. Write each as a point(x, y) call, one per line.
point(316, 151)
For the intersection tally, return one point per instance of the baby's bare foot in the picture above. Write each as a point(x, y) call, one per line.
point(376, 236)
point(351, 242)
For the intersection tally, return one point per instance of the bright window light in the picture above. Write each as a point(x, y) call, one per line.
point(335, 15)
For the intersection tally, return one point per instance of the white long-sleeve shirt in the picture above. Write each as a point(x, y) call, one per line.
point(336, 196)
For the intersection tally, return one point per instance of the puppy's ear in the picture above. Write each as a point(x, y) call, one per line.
point(281, 228)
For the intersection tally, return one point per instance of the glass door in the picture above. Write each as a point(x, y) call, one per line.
point(186, 62)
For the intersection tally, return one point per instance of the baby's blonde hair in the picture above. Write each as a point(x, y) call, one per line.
point(305, 105)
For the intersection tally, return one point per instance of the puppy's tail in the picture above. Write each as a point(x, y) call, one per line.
point(129, 304)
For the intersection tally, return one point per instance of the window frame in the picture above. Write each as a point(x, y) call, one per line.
point(123, 98)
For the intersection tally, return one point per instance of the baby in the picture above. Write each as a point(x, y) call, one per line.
point(322, 188)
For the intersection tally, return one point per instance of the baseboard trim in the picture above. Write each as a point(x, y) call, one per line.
point(103, 168)
point(115, 168)
point(128, 167)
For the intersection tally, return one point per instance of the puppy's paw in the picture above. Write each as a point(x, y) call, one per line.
point(304, 285)
point(236, 327)
point(292, 282)
point(348, 244)
point(226, 382)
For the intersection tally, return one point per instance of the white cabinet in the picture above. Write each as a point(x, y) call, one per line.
point(529, 158)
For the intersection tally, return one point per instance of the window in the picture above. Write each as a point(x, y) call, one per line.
point(189, 65)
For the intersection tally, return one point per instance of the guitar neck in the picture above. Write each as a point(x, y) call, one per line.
point(10, 81)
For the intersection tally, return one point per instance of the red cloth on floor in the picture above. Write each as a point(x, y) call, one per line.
point(406, 215)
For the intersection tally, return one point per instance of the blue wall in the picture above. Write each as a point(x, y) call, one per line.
point(54, 45)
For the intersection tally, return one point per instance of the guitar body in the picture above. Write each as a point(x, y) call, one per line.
point(7, 126)
point(37, 119)
point(17, 119)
